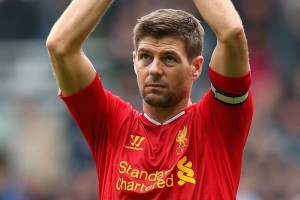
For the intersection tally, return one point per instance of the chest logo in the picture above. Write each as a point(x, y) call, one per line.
point(135, 142)
point(185, 172)
point(182, 140)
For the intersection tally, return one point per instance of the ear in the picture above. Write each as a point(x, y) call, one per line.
point(197, 64)
point(134, 60)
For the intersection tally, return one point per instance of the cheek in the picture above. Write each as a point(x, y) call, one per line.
point(182, 77)
point(140, 78)
point(181, 82)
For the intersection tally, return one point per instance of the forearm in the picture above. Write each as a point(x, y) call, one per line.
point(76, 23)
point(221, 16)
point(72, 68)
point(230, 57)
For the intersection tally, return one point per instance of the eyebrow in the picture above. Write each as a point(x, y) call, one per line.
point(169, 51)
point(143, 49)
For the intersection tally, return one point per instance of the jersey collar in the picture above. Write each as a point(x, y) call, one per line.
point(166, 122)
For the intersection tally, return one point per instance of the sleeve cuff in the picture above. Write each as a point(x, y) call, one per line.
point(230, 90)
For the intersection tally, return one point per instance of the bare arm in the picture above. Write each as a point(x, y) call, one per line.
point(230, 57)
point(72, 69)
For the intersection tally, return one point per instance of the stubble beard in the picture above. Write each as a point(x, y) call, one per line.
point(161, 100)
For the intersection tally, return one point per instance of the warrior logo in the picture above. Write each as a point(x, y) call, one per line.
point(135, 142)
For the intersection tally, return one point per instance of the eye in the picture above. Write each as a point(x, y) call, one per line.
point(170, 59)
point(145, 57)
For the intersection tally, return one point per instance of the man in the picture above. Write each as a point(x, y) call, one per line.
point(174, 149)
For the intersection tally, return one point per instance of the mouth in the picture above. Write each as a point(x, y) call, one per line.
point(155, 85)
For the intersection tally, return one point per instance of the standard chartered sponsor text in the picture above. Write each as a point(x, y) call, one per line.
point(141, 180)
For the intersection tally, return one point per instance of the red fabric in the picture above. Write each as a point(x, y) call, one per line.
point(233, 86)
point(195, 157)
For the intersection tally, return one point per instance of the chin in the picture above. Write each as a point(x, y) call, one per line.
point(156, 101)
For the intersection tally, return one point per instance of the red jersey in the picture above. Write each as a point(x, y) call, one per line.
point(196, 155)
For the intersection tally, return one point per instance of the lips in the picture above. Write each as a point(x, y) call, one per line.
point(155, 85)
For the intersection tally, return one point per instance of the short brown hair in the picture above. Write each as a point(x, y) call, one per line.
point(169, 22)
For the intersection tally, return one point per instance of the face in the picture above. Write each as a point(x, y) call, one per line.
point(164, 74)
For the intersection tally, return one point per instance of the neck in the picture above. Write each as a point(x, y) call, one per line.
point(162, 114)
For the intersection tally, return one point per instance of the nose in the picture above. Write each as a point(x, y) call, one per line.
point(156, 67)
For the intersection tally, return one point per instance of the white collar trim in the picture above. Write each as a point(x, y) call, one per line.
point(166, 122)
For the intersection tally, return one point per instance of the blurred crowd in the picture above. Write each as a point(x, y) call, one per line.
point(43, 156)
